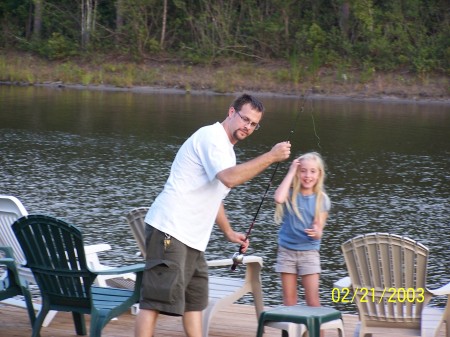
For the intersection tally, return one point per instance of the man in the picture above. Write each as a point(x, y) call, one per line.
point(180, 221)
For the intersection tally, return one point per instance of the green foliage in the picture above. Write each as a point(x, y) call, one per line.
point(342, 73)
point(408, 34)
point(57, 47)
point(316, 62)
point(3, 68)
point(423, 62)
point(283, 75)
point(12, 70)
point(87, 78)
point(69, 72)
point(316, 37)
point(223, 82)
point(13, 22)
point(363, 11)
point(296, 69)
point(367, 73)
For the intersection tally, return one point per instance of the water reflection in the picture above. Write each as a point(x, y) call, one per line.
point(89, 157)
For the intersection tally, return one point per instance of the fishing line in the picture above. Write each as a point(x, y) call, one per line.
point(314, 128)
point(238, 257)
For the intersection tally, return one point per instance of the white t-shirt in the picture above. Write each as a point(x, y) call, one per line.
point(187, 207)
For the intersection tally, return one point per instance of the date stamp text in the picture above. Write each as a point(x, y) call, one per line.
point(372, 295)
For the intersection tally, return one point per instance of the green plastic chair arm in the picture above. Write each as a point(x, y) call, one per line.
point(7, 251)
point(138, 267)
point(9, 262)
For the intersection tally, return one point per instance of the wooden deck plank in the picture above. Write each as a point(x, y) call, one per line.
point(235, 320)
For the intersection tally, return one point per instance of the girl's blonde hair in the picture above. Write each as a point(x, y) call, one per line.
point(319, 190)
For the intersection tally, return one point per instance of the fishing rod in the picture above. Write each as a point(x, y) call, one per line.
point(238, 257)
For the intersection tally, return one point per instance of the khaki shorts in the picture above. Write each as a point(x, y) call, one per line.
point(175, 278)
point(300, 262)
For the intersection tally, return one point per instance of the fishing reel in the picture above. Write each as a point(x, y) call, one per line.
point(237, 258)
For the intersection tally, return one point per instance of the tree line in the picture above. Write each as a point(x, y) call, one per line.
point(407, 35)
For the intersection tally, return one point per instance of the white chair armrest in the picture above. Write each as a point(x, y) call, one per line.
point(344, 282)
point(253, 259)
point(220, 263)
point(226, 290)
point(229, 262)
point(94, 249)
point(445, 290)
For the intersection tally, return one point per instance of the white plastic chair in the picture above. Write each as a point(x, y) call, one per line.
point(12, 209)
point(394, 269)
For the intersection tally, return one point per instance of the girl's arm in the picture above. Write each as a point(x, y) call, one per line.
point(282, 192)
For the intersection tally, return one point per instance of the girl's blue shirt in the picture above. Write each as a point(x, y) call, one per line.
point(292, 233)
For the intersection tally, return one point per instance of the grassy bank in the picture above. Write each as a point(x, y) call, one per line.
point(228, 76)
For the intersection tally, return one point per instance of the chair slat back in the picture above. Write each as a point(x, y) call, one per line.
point(388, 275)
point(11, 209)
point(135, 219)
point(55, 253)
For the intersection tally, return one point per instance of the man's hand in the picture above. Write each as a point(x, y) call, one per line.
point(240, 239)
point(281, 151)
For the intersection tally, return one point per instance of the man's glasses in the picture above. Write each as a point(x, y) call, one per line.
point(248, 122)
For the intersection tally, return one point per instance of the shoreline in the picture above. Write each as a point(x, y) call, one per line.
point(228, 77)
point(353, 96)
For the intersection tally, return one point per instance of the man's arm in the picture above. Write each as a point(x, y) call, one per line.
point(230, 234)
point(239, 174)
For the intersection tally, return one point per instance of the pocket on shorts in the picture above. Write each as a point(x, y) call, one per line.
point(160, 281)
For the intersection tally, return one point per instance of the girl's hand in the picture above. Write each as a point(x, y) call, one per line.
point(315, 232)
point(294, 166)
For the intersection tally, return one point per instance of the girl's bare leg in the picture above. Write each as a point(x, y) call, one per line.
point(311, 285)
point(289, 284)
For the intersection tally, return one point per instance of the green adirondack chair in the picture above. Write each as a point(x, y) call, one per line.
point(54, 251)
point(11, 284)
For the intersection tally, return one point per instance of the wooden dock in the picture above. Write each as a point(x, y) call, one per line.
point(235, 320)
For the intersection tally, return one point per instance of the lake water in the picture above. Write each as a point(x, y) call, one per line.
point(91, 156)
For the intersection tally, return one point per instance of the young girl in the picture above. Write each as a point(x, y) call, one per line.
point(302, 210)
